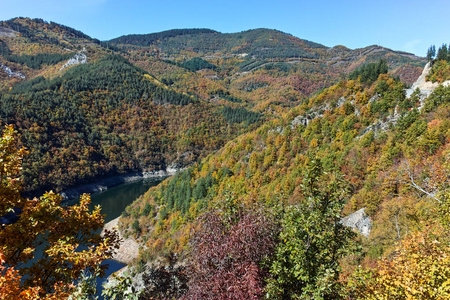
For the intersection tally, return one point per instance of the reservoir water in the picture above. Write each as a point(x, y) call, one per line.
point(114, 200)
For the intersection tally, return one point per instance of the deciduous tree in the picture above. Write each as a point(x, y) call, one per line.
point(306, 263)
point(226, 259)
point(42, 225)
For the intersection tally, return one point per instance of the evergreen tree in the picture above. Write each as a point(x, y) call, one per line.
point(443, 53)
point(431, 53)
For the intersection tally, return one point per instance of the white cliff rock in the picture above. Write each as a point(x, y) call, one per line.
point(425, 87)
point(79, 58)
point(11, 73)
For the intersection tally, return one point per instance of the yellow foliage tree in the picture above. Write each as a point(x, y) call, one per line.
point(42, 225)
point(420, 269)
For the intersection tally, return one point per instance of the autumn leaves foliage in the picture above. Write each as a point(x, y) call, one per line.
point(43, 227)
point(273, 200)
point(382, 170)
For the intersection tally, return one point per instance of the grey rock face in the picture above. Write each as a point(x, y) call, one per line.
point(359, 221)
point(7, 32)
point(11, 73)
point(79, 58)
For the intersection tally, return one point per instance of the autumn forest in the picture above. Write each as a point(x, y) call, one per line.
point(282, 148)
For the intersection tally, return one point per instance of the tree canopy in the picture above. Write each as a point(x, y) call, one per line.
point(43, 227)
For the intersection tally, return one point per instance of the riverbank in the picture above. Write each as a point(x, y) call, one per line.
point(103, 184)
point(129, 248)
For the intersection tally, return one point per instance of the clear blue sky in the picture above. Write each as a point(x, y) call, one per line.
point(407, 25)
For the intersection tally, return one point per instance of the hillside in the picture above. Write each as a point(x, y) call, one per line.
point(90, 113)
point(388, 150)
point(277, 139)
point(109, 117)
point(261, 43)
point(65, 92)
point(272, 70)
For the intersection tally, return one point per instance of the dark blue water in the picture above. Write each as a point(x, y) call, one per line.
point(114, 200)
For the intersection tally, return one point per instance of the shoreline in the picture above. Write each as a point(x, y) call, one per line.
point(105, 183)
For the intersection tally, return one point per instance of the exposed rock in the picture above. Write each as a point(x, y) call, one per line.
point(163, 278)
point(7, 32)
point(425, 87)
point(374, 98)
point(129, 248)
point(79, 58)
point(359, 221)
point(383, 125)
point(302, 119)
point(11, 73)
point(137, 282)
point(308, 117)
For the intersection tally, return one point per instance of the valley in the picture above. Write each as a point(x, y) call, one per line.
point(274, 140)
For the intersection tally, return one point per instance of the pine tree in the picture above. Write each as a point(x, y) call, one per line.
point(431, 53)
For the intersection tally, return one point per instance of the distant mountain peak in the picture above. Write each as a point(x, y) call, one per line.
point(31, 27)
point(149, 38)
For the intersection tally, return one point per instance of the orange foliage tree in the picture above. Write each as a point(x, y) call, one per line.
point(41, 225)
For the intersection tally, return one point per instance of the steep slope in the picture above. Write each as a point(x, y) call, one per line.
point(33, 47)
point(226, 81)
point(105, 118)
point(85, 112)
point(386, 167)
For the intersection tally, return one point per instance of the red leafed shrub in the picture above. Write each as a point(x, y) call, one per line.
point(227, 259)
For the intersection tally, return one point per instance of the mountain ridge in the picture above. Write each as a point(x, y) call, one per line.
point(239, 87)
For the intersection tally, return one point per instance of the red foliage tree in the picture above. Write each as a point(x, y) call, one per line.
point(227, 259)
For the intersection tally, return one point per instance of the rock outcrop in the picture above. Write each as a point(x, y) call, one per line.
point(6, 32)
point(129, 248)
point(79, 58)
point(359, 221)
point(425, 87)
point(11, 73)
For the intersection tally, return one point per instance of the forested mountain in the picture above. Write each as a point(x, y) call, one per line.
point(357, 144)
point(103, 117)
point(146, 106)
point(279, 139)
point(108, 117)
point(262, 45)
point(273, 70)
point(149, 39)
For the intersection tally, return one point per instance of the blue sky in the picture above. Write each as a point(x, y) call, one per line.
point(410, 26)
